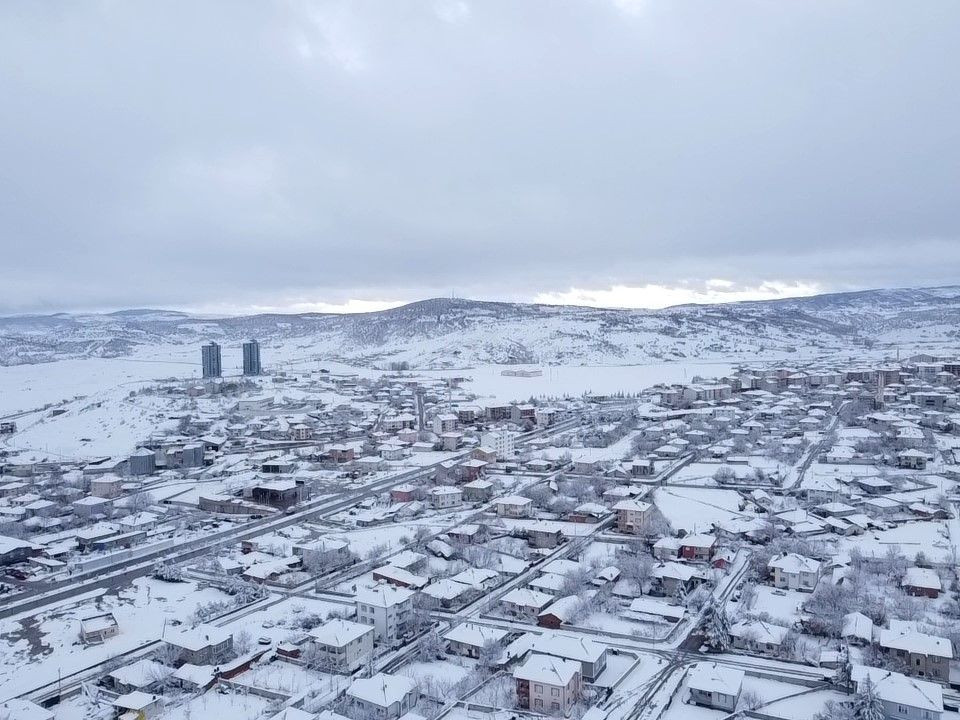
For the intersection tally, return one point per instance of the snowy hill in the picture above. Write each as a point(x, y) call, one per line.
point(453, 332)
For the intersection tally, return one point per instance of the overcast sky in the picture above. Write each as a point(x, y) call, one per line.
point(297, 155)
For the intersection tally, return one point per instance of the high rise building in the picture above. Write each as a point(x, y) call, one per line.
point(211, 360)
point(251, 358)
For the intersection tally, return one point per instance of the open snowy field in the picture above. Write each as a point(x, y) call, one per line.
point(697, 509)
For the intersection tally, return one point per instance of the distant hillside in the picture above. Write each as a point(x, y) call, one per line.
point(455, 332)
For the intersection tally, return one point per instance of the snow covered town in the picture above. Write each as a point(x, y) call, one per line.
point(319, 544)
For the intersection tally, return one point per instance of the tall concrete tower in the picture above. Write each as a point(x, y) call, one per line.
point(251, 358)
point(211, 360)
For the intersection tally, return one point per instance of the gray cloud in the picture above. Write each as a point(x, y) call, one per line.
point(234, 154)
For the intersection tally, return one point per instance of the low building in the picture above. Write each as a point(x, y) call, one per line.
point(202, 645)
point(145, 675)
point(97, 628)
point(324, 554)
point(470, 640)
point(15, 550)
point(525, 603)
point(715, 686)
point(477, 491)
point(903, 698)
point(281, 493)
point(544, 535)
point(794, 572)
point(922, 582)
point(139, 705)
point(445, 496)
point(383, 696)
point(757, 636)
point(514, 506)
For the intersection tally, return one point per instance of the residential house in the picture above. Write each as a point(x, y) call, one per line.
point(547, 684)
point(591, 655)
point(389, 609)
point(383, 696)
point(469, 639)
point(903, 698)
point(445, 496)
point(525, 603)
point(715, 686)
point(794, 572)
point(343, 646)
point(513, 506)
point(632, 516)
point(97, 628)
point(923, 655)
point(203, 645)
point(922, 582)
point(757, 636)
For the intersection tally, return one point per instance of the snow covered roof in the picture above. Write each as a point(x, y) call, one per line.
point(916, 642)
point(857, 625)
point(339, 633)
point(527, 598)
point(758, 630)
point(893, 687)
point(713, 678)
point(382, 689)
point(569, 647)
point(446, 589)
point(475, 635)
point(199, 637)
point(18, 709)
point(514, 500)
point(547, 670)
point(794, 563)
point(922, 578)
point(631, 505)
point(383, 595)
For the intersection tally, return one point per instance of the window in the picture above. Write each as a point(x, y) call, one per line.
point(555, 706)
point(538, 688)
point(538, 702)
point(555, 692)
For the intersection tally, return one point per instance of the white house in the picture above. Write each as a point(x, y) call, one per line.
point(388, 608)
point(591, 655)
point(794, 572)
point(526, 603)
point(715, 686)
point(343, 646)
point(445, 496)
point(903, 698)
point(202, 645)
point(513, 506)
point(470, 639)
point(383, 695)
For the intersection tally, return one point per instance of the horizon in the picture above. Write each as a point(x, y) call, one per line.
point(397, 305)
